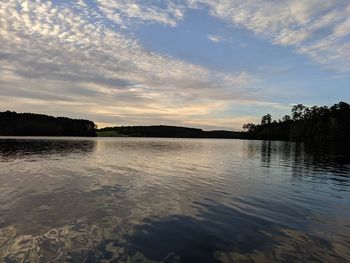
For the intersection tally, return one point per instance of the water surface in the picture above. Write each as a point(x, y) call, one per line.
point(172, 200)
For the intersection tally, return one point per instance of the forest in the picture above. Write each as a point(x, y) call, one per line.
point(30, 124)
point(305, 124)
point(166, 132)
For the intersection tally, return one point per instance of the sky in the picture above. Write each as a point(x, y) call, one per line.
point(211, 64)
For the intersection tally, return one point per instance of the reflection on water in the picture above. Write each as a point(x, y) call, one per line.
point(20, 148)
point(172, 200)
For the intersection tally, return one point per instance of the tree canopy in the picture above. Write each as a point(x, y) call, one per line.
point(30, 124)
point(168, 132)
point(314, 124)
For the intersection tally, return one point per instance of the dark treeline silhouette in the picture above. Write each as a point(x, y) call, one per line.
point(30, 124)
point(315, 124)
point(168, 132)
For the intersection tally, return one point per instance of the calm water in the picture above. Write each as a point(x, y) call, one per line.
point(172, 200)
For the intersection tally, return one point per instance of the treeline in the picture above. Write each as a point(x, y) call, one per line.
point(315, 124)
point(30, 124)
point(166, 131)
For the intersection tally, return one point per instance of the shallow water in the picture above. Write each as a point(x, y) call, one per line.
point(172, 200)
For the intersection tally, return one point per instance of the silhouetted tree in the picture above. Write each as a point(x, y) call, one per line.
point(266, 119)
point(315, 124)
point(249, 127)
point(286, 118)
point(29, 124)
point(298, 112)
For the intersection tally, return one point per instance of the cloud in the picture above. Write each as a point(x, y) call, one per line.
point(83, 54)
point(215, 38)
point(126, 12)
point(318, 28)
point(54, 55)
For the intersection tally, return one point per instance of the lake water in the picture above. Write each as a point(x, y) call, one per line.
point(172, 200)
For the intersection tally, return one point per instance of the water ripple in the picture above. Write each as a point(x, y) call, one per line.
point(172, 200)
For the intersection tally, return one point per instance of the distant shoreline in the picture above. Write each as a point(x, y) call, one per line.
point(312, 125)
point(164, 131)
point(108, 137)
point(30, 124)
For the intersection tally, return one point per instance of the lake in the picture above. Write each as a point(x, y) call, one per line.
point(172, 200)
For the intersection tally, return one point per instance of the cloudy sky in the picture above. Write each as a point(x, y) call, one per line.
point(201, 63)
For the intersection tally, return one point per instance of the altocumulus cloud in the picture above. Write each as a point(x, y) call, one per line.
point(70, 57)
point(317, 28)
point(77, 58)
